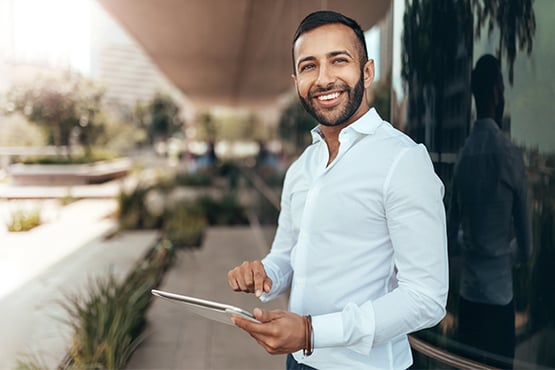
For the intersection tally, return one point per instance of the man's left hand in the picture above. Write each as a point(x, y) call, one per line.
point(280, 332)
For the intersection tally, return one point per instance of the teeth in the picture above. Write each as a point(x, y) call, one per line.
point(329, 96)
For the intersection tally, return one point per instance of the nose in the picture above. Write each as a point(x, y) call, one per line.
point(325, 76)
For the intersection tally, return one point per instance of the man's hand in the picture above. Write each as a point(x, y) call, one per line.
point(250, 277)
point(280, 332)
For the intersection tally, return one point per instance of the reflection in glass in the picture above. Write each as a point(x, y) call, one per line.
point(439, 43)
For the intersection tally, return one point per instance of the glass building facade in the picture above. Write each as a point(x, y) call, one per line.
point(435, 46)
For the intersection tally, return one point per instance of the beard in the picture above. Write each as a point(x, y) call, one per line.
point(337, 115)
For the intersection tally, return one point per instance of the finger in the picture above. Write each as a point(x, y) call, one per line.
point(267, 284)
point(232, 281)
point(247, 280)
point(265, 316)
point(247, 325)
point(259, 278)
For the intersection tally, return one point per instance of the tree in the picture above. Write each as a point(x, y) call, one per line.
point(65, 106)
point(516, 22)
point(295, 124)
point(207, 128)
point(165, 119)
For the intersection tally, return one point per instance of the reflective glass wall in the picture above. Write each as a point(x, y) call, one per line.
point(435, 46)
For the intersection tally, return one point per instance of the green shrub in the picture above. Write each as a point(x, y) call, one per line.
point(197, 179)
point(225, 211)
point(107, 326)
point(18, 131)
point(23, 220)
point(95, 156)
point(184, 225)
point(133, 210)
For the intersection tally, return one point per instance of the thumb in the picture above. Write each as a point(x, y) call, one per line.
point(261, 315)
point(267, 285)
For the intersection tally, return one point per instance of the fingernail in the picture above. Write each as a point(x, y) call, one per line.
point(258, 293)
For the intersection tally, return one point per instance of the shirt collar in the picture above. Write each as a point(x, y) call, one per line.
point(365, 125)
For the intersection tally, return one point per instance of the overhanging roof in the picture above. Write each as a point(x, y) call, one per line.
point(228, 52)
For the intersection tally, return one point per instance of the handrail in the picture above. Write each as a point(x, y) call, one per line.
point(262, 187)
point(445, 357)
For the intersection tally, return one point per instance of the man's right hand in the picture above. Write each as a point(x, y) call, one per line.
point(250, 277)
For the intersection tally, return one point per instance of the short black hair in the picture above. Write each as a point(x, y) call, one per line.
point(324, 17)
point(486, 76)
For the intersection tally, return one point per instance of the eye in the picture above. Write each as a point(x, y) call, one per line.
point(307, 67)
point(340, 60)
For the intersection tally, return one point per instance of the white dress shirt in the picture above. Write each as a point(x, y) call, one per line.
point(362, 245)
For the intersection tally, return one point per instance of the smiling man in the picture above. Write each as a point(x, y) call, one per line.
point(361, 241)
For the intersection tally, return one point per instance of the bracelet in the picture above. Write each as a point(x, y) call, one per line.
point(309, 336)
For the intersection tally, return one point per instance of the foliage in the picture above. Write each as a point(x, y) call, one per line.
point(18, 131)
point(185, 225)
point(207, 128)
point(107, 326)
point(224, 211)
point(434, 29)
point(381, 91)
point(30, 362)
point(541, 168)
point(23, 220)
point(121, 135)
point(95, 155)
point(163, 118)
point(67, 106)
point(182, 220)
point(516, 22)
point(133, 211)
point(230, 127)
point(295, 124)
point(196, 179)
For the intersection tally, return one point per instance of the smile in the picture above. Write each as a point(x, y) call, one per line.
point(327, 97)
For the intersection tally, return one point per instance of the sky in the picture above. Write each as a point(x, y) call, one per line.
point(57, 31)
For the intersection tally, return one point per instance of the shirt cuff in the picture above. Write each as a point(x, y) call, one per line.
point(352, 328)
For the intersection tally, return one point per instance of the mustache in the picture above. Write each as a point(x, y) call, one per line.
point(335, 86)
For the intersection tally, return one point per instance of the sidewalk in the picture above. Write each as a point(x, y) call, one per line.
point(178, 339)
point(38, 268)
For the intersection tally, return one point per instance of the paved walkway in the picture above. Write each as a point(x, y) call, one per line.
point(38, 268)
point(178, 339)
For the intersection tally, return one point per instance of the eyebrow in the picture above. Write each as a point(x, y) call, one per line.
point(329, 55)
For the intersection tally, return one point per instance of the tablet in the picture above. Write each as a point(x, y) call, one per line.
point(211, 310)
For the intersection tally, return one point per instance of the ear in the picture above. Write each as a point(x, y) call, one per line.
point(294, 77)
point(368, 71)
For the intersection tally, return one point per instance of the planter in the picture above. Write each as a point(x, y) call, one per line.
point(69, 174)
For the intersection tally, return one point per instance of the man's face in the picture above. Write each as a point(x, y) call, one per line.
point(329, 78)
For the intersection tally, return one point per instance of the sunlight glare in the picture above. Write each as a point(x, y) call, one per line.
point(56, 32)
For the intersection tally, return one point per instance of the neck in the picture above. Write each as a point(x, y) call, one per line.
point(331, 133)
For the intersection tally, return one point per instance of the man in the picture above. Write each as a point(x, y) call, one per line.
point(489, 198)
point(361, 239)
